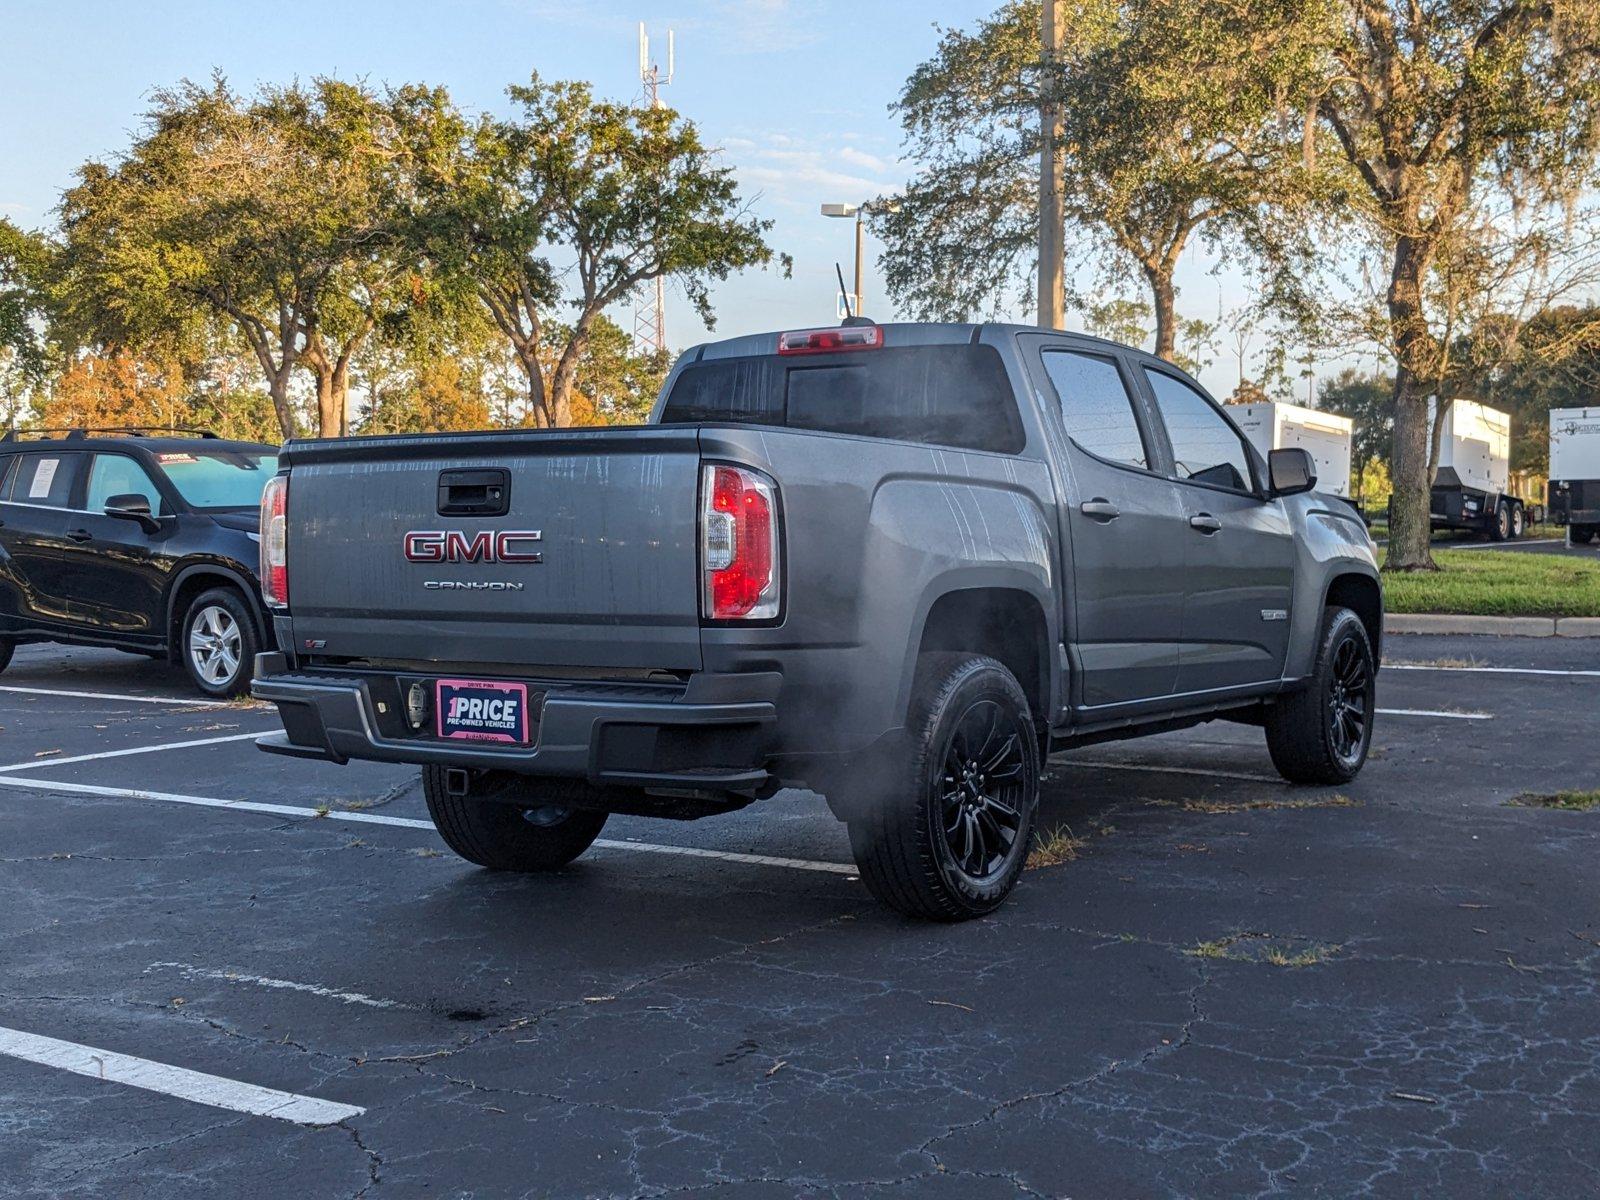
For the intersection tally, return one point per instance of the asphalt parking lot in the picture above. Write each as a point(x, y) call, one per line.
point(1235, 988)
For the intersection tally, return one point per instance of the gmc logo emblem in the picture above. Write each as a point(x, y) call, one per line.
point(487, 546)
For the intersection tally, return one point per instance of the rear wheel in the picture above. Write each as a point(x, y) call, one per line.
point(1518, 521)
point(7, 648)
point(1500, 529)
point(950, 836)
point(1582, 535)
point(1321, 733)
point(219, 643)
point(512, 823)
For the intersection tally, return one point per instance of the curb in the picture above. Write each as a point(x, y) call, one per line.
point(1571, 627)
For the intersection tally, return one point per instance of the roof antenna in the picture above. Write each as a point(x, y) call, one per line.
point(844, 295)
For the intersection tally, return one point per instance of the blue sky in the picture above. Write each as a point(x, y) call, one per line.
point(796, 92)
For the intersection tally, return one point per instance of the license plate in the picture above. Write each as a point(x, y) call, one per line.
point(482, 710)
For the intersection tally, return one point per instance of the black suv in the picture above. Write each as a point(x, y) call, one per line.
point(145, 541)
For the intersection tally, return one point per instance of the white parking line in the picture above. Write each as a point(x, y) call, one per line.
point(35, 763)
point(190, 971)
point(173, 1081)
point(1102, 765)
point(33, 691)
point(1501, 545)
point(1431, 712)
point(1388, 666)
point(364, 818)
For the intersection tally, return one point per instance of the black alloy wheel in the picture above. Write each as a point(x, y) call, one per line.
point(984, 790)
point(1349, 701)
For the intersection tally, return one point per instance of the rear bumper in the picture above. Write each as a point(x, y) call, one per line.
point(712, 734)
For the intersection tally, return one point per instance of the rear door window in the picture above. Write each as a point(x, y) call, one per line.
point(5, 474)
point(45, 480)
point(1096, 406)
point(958, 396)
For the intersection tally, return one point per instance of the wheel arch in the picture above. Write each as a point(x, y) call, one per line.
point(1004, 621)
point(195, 578)
point(1361, 594)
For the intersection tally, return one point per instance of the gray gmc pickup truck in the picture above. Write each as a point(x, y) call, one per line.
point(895, 564)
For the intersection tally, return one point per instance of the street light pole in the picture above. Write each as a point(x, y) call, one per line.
point(859, 212)
point(1052, 211)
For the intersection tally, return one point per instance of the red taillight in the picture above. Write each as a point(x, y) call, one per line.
point(275, 541)
point(739, 544)
point(829, 341)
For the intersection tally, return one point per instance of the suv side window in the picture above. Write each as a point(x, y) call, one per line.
point(45, 480)
point(1096, 407)
point(1206, 448)
point(119, 475)
point(5, 473)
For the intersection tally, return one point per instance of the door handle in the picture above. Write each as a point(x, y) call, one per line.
point(1205, 523)
point(1100, 509)
point(80, 535)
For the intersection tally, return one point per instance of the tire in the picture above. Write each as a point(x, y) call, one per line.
point(218, 644)
point(970, 736)
point(1518, 521)
point(1500, 528)
point(503, 835)
point(1311, 740)
point(7, 649)
point(1582, 535)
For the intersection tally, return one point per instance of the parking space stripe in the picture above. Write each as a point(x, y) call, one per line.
point(300, 812)
point(35, 764)
point(1488, 670)
point(1432, 712)
point(33, 691)
point(214, 1090)
point(1102, 765)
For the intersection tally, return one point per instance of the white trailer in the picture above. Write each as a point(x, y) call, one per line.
point(1575, 471)
point(1274, 425)
point(1472, 487)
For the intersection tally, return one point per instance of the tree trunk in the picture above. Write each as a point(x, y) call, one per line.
point(278, 389)
point(1410, 531)
point(538, 401)
point(1164, 298)
point(566, 372)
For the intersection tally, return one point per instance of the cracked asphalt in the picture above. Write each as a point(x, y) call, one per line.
point(1235, 988)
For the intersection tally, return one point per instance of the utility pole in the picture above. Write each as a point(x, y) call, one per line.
point(650, 302)
point(1052, 213)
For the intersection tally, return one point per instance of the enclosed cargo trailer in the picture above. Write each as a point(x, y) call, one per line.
point(1274, 425)
point(1574, 494)
point(1472, 487)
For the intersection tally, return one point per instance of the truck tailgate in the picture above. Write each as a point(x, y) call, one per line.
point(616, 584)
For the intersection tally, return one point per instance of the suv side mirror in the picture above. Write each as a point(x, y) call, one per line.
point(131, 506)
point(1291, 471)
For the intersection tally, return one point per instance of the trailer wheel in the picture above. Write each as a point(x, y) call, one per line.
point(1519, 521)
point(1500, 527)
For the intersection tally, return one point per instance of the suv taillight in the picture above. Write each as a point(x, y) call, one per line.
point(739, 544)
point(275, 541)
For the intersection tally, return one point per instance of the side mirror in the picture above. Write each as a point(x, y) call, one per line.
point(131, 506)
point(1291, 471)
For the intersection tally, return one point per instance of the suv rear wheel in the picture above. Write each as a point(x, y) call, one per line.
point(511, 823)
point(950, 836)
point(1321, 733)
point(218, 643)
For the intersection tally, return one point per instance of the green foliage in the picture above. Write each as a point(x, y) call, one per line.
point(1173, 124)
point(1368, 400)
point(23, 259)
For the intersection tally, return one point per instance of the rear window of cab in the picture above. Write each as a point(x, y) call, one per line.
point(957, 396)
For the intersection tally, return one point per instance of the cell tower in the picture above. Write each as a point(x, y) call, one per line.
point(649, 304)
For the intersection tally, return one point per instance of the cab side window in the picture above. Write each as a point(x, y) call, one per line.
point(118, 475)
point(44, 480)
point(1206, 447)
point(1096, 407)
point(5, 474)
